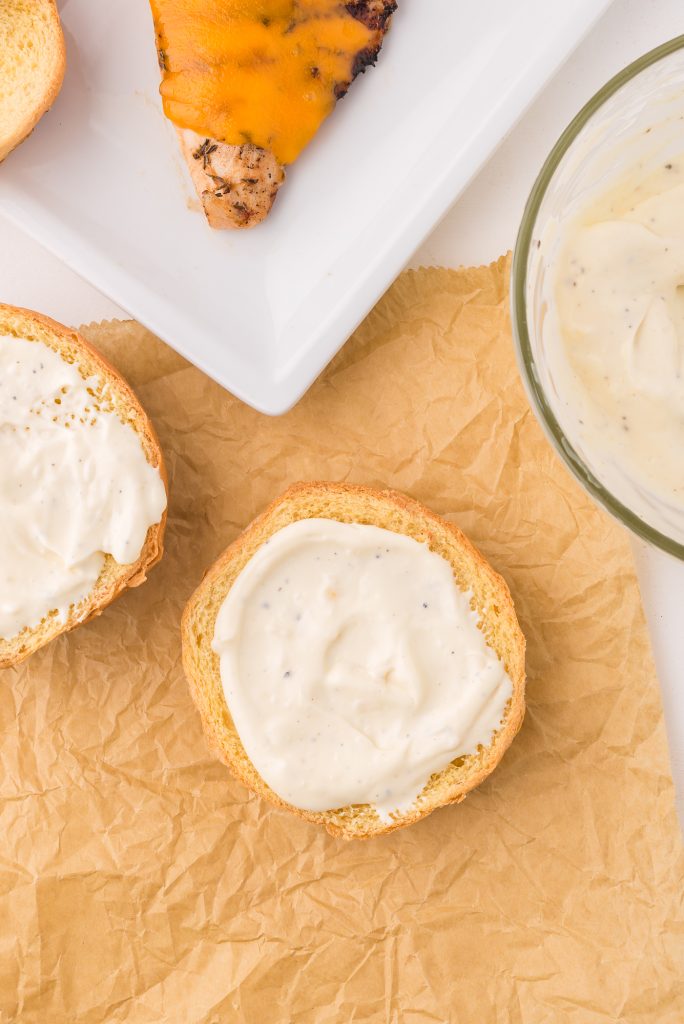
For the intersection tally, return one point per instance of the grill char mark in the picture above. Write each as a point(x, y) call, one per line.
point(373, 13)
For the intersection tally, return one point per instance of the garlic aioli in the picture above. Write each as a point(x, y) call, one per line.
point(619, 294)
point(353, 666)
point(74, 484)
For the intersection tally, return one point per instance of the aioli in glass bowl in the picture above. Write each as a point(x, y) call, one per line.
point(613, 156)
point(619, 294)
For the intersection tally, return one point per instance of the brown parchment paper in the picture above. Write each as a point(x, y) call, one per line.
point(139, 882)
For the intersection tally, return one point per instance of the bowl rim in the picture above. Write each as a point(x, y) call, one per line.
point(521, 337)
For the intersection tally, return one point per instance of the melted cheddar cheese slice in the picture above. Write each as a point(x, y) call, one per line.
point(266, 72)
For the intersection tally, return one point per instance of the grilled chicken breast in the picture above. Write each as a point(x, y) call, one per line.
point(238, 184)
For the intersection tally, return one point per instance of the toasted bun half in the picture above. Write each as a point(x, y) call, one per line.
point(114, 578)
point(32, 64)
point(392, 511)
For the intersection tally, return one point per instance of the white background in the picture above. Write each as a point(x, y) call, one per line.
point(481, 225)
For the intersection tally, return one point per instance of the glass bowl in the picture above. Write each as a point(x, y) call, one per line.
point(637, 117)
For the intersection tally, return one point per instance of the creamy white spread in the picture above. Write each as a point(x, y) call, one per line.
point(74, 485)
point(620, 303)
point(353, 666)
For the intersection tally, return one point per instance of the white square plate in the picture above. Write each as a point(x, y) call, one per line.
point(101, 182)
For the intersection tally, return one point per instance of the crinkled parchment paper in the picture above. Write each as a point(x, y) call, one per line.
point(139, 882)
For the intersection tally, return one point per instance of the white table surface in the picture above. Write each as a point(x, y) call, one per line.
point(481, 225)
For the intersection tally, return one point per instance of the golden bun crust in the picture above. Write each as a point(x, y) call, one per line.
point(400, 514)
point(114, 578)
point(32, 66)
